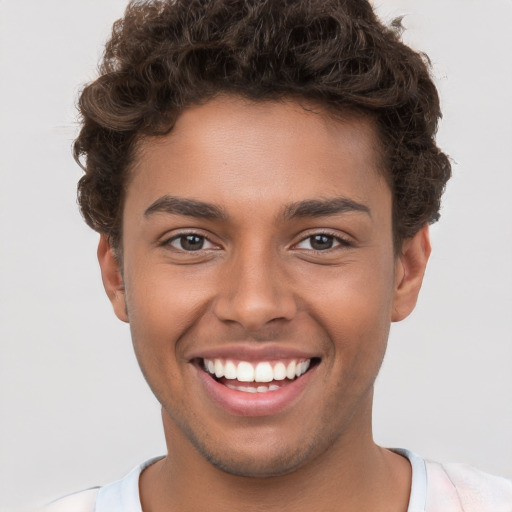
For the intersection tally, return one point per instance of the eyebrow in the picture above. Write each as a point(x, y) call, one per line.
point(323, 207)
point(308, 208)
point(184, 206)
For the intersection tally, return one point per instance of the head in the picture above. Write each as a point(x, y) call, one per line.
point(262, 174)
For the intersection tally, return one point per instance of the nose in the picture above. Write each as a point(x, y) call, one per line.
point(254, 292)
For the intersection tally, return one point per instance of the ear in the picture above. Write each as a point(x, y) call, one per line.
point(409, 270)
point(112, 278)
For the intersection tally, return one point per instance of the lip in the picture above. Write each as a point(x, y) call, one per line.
point(255, 404)
point(252, 353)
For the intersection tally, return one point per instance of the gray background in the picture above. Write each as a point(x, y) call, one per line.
point(75, 411)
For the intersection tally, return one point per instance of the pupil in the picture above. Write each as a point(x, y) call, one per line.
point(192, 242)
point(320, 242)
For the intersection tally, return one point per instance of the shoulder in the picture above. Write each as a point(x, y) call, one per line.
point(78, 502)
point(474, 490)
point(119, 496)
point(477, 488)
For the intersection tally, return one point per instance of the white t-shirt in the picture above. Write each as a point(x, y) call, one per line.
point(435, 488)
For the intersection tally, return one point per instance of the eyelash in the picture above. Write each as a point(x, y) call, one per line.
point(183, 236)
point(334, 238)
point(341, 242)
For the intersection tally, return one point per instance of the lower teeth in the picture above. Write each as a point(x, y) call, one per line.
point(248, 389)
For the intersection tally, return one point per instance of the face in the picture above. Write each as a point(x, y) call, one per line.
point(259, 281)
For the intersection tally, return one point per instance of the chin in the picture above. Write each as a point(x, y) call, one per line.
point(257, 467)
point(259, 460)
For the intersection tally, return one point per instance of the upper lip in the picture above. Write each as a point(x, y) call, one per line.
point(245, 352)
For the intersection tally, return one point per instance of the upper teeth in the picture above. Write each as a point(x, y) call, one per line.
point(264, 371)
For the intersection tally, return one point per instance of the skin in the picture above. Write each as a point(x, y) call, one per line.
point(258, 281)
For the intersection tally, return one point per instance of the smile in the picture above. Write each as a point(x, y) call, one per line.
point(276, 372)
point(255, 388)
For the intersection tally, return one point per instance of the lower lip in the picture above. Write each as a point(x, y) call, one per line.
point(243, 403)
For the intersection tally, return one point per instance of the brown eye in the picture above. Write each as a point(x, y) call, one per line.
point(189, 242)
point(321, 242)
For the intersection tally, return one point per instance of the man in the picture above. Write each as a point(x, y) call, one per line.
point(262, 175)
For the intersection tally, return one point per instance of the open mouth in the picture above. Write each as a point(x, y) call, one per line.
point(256, 377)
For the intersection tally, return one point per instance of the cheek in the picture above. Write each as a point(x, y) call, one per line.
point(162, 298)
point(355, 295)
point(162, 306)
point(160, 312)
point(354, 307)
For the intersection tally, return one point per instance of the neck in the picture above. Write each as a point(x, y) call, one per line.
point(353, 475)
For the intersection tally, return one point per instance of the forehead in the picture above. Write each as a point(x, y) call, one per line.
point(240, 152)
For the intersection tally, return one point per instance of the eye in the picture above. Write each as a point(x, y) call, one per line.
point(190, 242)
point(321, 242)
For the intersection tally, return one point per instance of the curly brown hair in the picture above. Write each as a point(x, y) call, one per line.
point(166, 55)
